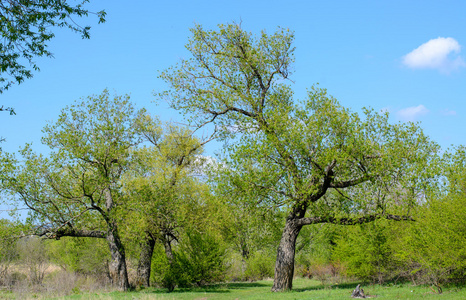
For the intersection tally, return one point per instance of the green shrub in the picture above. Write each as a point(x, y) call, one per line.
point(367, 251)
point(260, 265)
point(199, 259)
point(437, 242)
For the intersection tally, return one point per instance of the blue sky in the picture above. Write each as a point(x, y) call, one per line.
point(407, 57)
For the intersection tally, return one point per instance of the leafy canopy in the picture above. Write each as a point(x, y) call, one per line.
point(304, 154)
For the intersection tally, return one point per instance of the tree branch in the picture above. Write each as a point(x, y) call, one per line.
point(75, 233)
point(345, 184)
point(352, 221)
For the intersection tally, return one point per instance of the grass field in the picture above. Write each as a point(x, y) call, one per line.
point(303, 289)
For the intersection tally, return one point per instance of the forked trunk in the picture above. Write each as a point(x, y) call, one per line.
point(117, 266)
point(145, 260)
point(284, 266)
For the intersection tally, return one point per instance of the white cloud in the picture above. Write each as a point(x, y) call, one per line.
point(412, 113)
point(448, 112)
point(440, 53)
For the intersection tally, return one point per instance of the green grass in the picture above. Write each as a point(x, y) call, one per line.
point(303, 289)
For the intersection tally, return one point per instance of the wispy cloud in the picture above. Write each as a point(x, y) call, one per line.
point(448, 112)
point(412, 113)
point(440, 53)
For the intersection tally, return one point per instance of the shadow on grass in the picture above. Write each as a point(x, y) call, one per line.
point(211, 288)
point(349, 285)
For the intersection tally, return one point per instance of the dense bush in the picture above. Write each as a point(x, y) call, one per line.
point(199, 259)
point(437, 242)
point(369, 251)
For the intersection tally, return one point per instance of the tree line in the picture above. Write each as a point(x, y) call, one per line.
point(308, 180)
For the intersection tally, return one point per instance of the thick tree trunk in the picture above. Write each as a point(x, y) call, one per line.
point(284, 266)
point(145, 260)
point(117, 266)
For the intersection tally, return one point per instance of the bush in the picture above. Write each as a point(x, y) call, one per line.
point(437, 242)
point(367, 251)
point(259, 265)
point(198, 260)
point(201, 259)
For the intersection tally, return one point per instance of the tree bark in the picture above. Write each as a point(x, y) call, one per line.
point(117, 266)
point(168, 250)
point(145, 260)
point(284, 266)
point(169, 253)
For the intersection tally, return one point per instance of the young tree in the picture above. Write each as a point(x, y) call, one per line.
point(77, 189)
point(26, 27)
point(161, 188)
point(315, 159)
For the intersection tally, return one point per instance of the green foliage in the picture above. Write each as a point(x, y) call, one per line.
point(245, 227)
point(26, 28)
point(69, 189)
point(290, 154)
point(163, 273)
point(437, 241)
point(160, 189)
point(81, 255)
point(198, 259)
point(76, 189)
point(260, 265)
point(222, 75)
point(369, 251)
point(201, 258)
point(314, 159)
point(316, 242)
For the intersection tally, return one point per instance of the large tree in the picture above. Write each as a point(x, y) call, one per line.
point(26, 28)
point(314, 159)
point(76, 190)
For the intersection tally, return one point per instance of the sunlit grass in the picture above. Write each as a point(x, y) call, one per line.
point(303, 289)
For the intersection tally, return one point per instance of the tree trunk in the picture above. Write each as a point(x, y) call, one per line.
point(169, 253)
point(117, 266)
point(284, 266)
point(168, 249)
point(145, 260)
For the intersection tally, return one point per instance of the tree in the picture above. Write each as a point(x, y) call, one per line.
point(161, 189)
point(315, 159)
point(77, 189)
point(26, 28)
